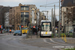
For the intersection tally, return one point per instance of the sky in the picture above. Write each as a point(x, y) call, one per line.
point(38, 3)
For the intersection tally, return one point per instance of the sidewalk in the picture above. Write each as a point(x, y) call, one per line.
point(71, 40)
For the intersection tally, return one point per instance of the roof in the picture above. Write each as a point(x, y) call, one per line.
point(68, 3)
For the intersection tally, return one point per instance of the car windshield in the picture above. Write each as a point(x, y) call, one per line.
point(25, 28)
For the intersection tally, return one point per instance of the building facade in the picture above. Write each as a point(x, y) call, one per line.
point(6, 20)
point(3, 10)
point(67, 10)
point(22, 15)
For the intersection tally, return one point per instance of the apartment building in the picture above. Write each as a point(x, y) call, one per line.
point(6, 18)
point(22, 15)
point(68, 11)
point(3, 10)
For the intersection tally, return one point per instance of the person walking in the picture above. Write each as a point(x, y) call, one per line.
point(10, 30)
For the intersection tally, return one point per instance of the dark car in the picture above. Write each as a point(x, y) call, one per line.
point(17, 32)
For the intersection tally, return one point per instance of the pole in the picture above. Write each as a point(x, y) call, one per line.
point(47, 15)
point(37, 25)
point(63, 21)
point(59, 19)
point(32, 16)
point(23, 21)
point(54, 20)
point(67, 21)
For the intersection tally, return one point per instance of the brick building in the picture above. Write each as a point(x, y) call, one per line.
point(22, 15)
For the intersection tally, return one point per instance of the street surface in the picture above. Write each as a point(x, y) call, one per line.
point(10, 42)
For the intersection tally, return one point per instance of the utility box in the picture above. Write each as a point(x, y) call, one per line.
point(74, 31)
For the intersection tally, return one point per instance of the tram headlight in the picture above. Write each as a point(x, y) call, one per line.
point(50, 32)
point(42, 32)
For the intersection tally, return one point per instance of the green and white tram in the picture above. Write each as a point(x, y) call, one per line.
point(46, 29)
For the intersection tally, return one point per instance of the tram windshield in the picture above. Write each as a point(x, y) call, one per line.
point(45, 26)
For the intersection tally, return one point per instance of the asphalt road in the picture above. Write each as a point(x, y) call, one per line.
point(10, 42)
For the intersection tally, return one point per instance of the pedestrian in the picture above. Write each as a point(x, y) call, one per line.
point(1, 31)
point(34, 30)
point(10, 30)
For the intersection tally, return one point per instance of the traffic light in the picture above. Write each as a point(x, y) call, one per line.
point(0, 26)
point(21, 26)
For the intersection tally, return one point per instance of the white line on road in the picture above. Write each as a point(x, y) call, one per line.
point(48, 42)
point(54, 43)
point(51, 40)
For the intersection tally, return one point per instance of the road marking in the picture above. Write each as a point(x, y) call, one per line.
point(44, 40)
point(51, 40)
point(58, 42)
point(54, 43)
point(48, 42)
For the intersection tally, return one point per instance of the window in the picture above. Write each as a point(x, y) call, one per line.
point(22, 13)
point(25, 14)
point(24, 7)
point(45, 26)
point(73, 1)
point(21, 20)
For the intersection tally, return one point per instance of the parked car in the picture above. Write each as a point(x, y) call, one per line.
point(71, 31)
point(17, 32)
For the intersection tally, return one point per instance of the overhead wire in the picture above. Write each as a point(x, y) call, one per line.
point(46, 3)
point(52, 3)
point(45, 7)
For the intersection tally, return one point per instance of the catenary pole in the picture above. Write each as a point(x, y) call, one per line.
point(59, 18)
point(54, 20)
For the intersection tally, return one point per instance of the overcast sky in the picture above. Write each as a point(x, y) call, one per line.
point(36, 2)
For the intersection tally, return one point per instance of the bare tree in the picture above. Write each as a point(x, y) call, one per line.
point(18, 20)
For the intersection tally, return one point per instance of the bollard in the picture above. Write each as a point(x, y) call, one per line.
point(65, 38)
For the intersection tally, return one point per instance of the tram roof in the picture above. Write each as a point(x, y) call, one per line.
point(45, 21)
